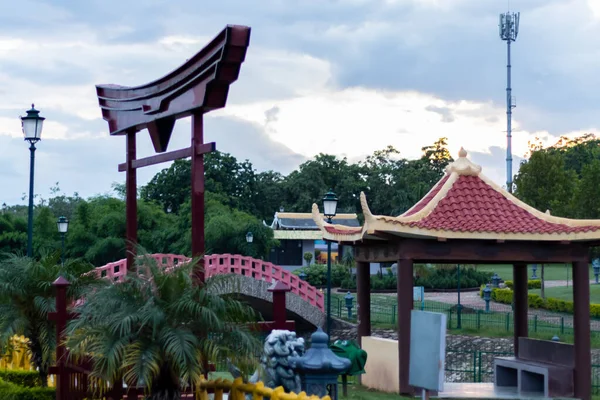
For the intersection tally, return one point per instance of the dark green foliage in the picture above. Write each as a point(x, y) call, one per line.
point(21, 378)
point(434, 278)
point(317, 274)
point(154, 328)
point(446, 278)
point(27, 296)
point(11, 391)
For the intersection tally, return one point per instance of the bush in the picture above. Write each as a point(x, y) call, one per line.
point(536, 301)
point(531, 284)
point(10, 391)
point(21, 378)
point(316, 274)
point(446, 278)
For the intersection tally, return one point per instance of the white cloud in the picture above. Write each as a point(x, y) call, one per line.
point(594, 6)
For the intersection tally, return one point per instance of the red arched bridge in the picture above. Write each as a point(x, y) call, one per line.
point(218, 264)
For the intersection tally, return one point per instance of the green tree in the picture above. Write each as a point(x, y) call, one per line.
point(27, 296)
point(544, 183)
point(586, 202)
point(157, 329)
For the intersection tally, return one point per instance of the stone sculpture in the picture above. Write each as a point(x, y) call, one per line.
point(275, 367)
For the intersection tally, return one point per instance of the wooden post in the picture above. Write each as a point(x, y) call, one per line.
point(279, 289)
point(198, 196)
point(405, 306)
point(363, 297)
point(131, 200)
point(520, 297)
point(581, 327)
point(60, 317)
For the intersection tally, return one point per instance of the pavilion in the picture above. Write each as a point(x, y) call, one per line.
point(467, 218)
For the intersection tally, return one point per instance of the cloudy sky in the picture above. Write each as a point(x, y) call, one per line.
point(339, 76)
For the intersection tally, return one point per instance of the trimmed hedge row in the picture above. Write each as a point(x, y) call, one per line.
point(531, 284)
point(21, 378)
point(10, 391)
point(505, 296)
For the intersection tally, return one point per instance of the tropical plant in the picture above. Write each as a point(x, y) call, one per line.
point(308, 256)
point(27, 296)
point(158, 329)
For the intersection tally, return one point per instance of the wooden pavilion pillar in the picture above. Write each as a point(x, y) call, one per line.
point(521, 306)
point(363, 298)
point(198, 196)
point(131, 200)
point(405, 306)
point(581, 328)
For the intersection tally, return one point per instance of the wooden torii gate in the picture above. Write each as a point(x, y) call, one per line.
point(195, 88)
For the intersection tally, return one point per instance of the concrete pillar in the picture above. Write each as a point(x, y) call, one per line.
point(363, 297)
point(405, 306)
point(581, 327)
point(520, 298)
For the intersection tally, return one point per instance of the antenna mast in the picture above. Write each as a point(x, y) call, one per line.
point(509, 28)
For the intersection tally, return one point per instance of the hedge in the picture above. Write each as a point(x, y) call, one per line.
point(505, 296)
point(531, 284)
point(21, 378)
point(10, 391)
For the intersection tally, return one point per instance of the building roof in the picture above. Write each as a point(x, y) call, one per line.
point(298, 235)
point(465, 204)
point(305, 221)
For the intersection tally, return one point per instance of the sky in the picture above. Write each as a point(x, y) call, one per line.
point(345, 77)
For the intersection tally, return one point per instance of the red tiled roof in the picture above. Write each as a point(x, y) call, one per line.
point(471, 205)
point(425, 200)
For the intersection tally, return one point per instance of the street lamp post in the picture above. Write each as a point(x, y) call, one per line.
point(249, 239)
point(329, 210)
point(63, 227)
point(32, 131)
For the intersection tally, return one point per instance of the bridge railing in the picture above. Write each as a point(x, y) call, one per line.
point(216, 264)
point(262, 270)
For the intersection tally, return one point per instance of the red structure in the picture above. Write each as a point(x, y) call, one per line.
point(218, 264)
point(468, 219)
point(197, 87)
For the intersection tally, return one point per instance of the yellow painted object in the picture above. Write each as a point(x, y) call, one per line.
point(238, 390)
point(18, 356)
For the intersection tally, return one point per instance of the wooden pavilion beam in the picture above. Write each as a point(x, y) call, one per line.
point(471, 251)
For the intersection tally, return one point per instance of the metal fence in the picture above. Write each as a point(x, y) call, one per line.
point(469, 358)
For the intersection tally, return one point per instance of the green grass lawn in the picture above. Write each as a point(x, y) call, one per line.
point(553, 272)
point(566, 293)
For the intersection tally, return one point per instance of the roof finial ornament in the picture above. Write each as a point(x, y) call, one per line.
point(463, 166)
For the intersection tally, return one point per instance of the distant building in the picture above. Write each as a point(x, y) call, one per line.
point(298, 234)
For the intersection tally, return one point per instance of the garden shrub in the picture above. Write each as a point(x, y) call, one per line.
point(446, 278)
point(21, 378)
point(316, 274)
point(531, 284)
point(505, 296)
point(10, 391)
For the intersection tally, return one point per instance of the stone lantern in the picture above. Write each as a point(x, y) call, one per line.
point(596, 267)
point(534, 270)
point(487, 296)
point(349, 304)
point(495, 280)
point(319, 367)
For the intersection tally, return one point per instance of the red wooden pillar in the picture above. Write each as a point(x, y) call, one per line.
point(405, 306)
point(198, 195)
point(279, 289)
point(131, 200)
point(60, 317)
point(520, 303)
point(581, 327)
point(363, 298)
